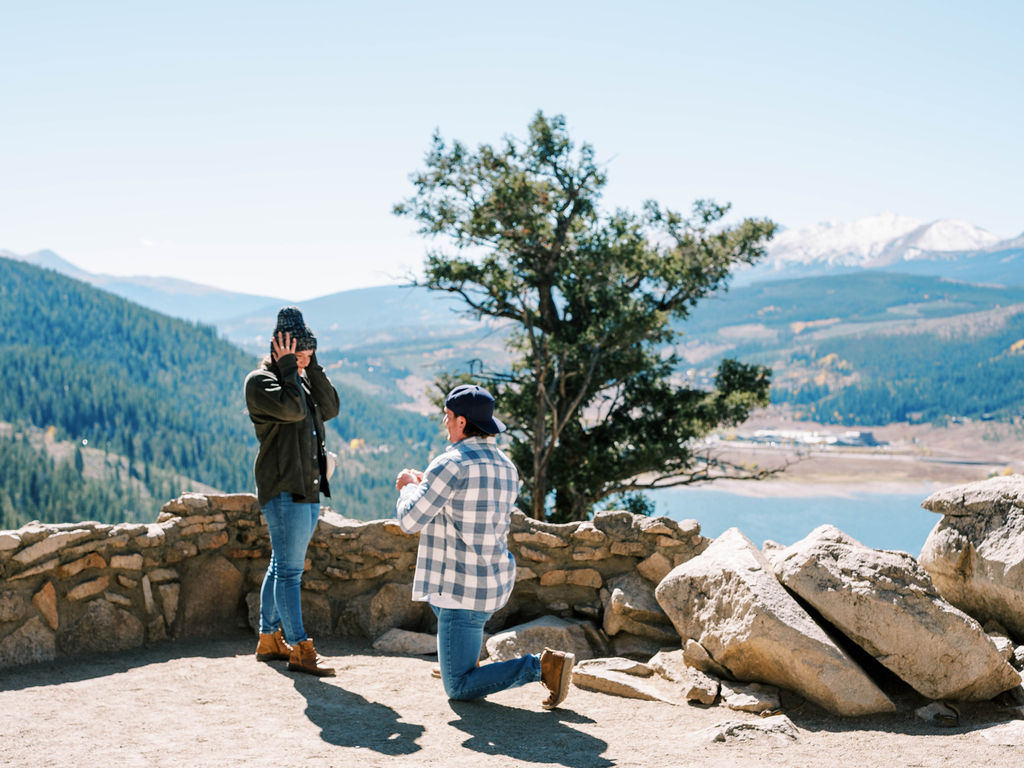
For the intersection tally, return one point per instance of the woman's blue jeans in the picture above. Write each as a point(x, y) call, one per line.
point(459, 635)
point(291, 527)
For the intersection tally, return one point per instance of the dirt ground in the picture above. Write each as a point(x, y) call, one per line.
point(209, 703)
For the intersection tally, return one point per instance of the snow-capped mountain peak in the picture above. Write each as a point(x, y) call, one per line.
point(875, 241)
point(837, 243)
point(942, 235)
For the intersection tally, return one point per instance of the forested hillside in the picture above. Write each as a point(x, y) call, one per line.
point(874, 347)
point(163, 394)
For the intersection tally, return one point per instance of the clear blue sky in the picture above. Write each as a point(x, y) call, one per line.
point(259, 146)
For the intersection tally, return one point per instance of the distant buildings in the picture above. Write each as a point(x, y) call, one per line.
point(806, 438)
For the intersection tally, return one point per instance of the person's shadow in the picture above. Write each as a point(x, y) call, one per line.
point(346, 719)
point(535, 737)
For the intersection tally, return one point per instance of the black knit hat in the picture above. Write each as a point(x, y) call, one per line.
point(289, 320)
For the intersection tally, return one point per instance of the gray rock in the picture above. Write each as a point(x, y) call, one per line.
point(252, 608)
point(975, 554)
point(406, 643)
point(750, 697)
point(392, 606)
point(630, 606)
point(670, 664)
point(12, 606)
point(316, 614)
point(728, 600)
point(701, 688)
point(51, 544)
point(696, 655)
point(102, 628)
point(634, 646)
point(939, 713)
point(778, 729)
point(1003, 645)
point(696, 686)
point(211, 598)
point(886, 603)
point(534, 636)
point(32, 642)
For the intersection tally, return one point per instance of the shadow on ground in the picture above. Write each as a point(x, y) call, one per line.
point(346, 719)
point(532, 736)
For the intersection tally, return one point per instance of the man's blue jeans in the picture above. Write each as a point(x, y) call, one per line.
point(291, 526)
point(459, 635)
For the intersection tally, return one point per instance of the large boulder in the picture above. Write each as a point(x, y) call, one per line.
point(729, 601)
point(886, 603)
point(975, 554)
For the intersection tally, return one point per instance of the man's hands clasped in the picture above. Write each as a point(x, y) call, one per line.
point(407, 476)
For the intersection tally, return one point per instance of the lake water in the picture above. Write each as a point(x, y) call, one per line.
point(881, 521)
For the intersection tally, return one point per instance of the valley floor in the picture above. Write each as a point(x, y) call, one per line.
point(913, 458)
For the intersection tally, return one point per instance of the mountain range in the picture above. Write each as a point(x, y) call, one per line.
point(167, 295)
point(949, 248)
point(945, 248)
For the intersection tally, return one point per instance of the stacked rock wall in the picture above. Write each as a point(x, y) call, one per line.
point(87, 587)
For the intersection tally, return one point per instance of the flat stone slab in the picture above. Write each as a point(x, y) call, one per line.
point(624, 677)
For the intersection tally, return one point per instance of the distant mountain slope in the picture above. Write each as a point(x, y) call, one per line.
point(167, 295)
point(872, 347)
point(163, 393)
point(863, 297)
point(389, 341)
point(361, 317)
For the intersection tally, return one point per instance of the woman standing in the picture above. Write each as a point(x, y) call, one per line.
point(289, 398)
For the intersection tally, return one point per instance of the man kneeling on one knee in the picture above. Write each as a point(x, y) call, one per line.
point(462, 507)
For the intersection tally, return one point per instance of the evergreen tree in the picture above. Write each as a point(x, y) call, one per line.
point(590, 395)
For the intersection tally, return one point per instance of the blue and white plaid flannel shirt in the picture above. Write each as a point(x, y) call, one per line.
point(463, 510)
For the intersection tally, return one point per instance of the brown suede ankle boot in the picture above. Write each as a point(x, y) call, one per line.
point(273, 647)
point(304, 659)
point(556, 674)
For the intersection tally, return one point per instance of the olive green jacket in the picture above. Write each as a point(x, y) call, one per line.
point(284, 408)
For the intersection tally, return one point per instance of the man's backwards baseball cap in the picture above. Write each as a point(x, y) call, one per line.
point(476, 405)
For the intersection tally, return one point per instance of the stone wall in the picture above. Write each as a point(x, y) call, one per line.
point(77, 588)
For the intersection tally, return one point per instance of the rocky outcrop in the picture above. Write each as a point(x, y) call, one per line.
point(886, 603)
point(975, 554)
point(728, 600)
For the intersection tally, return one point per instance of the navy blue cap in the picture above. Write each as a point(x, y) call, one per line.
point(476, 405)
